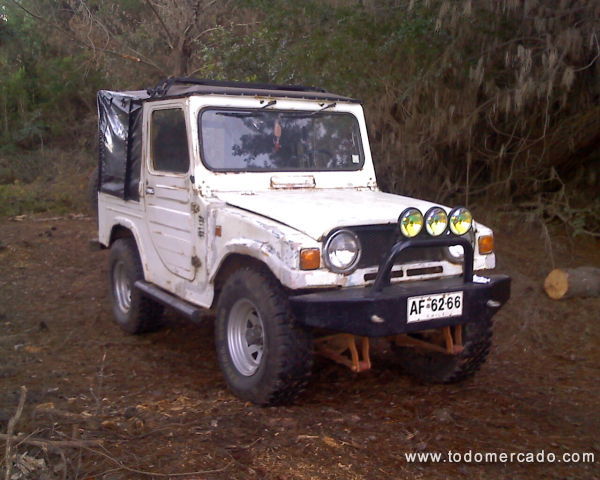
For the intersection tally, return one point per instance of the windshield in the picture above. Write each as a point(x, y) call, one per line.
point(261, 140)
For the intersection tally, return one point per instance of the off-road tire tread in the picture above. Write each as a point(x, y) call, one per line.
point(294, 361)
point(478, 342)
point(145, 313)
point(472, 358)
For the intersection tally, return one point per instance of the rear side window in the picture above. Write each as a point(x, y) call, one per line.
point(169, 148)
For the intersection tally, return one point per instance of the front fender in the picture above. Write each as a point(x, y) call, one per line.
point(274, 244)
point(261, 251)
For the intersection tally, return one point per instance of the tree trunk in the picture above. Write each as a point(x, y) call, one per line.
point(573, 282)
point(183, 54)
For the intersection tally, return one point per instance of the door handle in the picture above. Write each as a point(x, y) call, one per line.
point(149, 191)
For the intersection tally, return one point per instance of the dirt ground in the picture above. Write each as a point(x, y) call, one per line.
point(157, 405)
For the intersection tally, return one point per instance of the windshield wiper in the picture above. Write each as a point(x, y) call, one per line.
point(269, 104)
point(330, 105)
point(308, 115)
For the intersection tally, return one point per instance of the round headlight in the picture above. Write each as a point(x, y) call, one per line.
point(342, 251)
point(436, 221)
point(461, 221)
point(410, 222)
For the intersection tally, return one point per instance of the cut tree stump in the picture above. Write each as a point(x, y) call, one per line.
point(573, 282)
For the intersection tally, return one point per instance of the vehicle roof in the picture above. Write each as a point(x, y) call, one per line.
point(177, 88)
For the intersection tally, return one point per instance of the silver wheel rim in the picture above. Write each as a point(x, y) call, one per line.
point(245, 337)
point(121, 286)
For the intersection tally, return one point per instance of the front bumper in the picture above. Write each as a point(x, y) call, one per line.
point(381, 309)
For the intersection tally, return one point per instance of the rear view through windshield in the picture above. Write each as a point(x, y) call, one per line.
point(257, 140)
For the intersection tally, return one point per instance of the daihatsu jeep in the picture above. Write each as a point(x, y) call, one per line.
point(259, 203)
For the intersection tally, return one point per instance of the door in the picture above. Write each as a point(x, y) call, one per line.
point(167, 189)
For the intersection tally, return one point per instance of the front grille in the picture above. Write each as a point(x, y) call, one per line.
point(377, 241)
point(413, 272)
point(372, 276)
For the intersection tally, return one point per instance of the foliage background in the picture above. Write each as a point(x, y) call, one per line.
point(488, 101)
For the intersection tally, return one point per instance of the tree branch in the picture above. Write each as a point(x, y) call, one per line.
point(162, 23)
point(83, 44)
point(121, 466)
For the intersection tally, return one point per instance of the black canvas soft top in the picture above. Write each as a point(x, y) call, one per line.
point(184, 87)
point(120, 143)
point(120, 122)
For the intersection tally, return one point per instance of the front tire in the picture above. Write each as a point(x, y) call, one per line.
point(434, 367)
point(265, 358)
point(133, 312)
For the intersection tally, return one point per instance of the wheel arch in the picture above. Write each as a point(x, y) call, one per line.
point(230, 264)
point(126, 229)
point(120, 231)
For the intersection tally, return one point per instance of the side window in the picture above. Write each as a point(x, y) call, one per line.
point(169, 147)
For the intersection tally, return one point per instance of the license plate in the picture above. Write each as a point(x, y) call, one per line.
point(440, 305)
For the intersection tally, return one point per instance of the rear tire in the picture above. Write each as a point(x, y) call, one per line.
point(265, 358)
point(434, 367)
point(133, 312)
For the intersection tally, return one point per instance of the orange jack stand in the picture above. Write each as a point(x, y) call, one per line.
point(334, 346)
point(453, 343)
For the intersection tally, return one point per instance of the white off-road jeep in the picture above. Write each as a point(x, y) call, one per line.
point(259, 203)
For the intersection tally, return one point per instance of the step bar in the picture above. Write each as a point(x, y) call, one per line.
point(193, 312)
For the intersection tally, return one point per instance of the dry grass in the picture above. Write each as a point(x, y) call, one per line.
point(507, 110)
point(44, 181)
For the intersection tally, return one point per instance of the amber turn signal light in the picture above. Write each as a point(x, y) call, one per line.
point(310, 258)
point(486, 244)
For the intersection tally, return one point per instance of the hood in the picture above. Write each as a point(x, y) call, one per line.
point(317, 212)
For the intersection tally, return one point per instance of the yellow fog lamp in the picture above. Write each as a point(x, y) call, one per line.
point(410, 222)
point(460, 220)
point(436, 221)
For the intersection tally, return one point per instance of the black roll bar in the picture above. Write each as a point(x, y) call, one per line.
point(383, 275)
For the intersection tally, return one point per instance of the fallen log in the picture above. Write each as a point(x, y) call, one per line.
point(573, 282)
